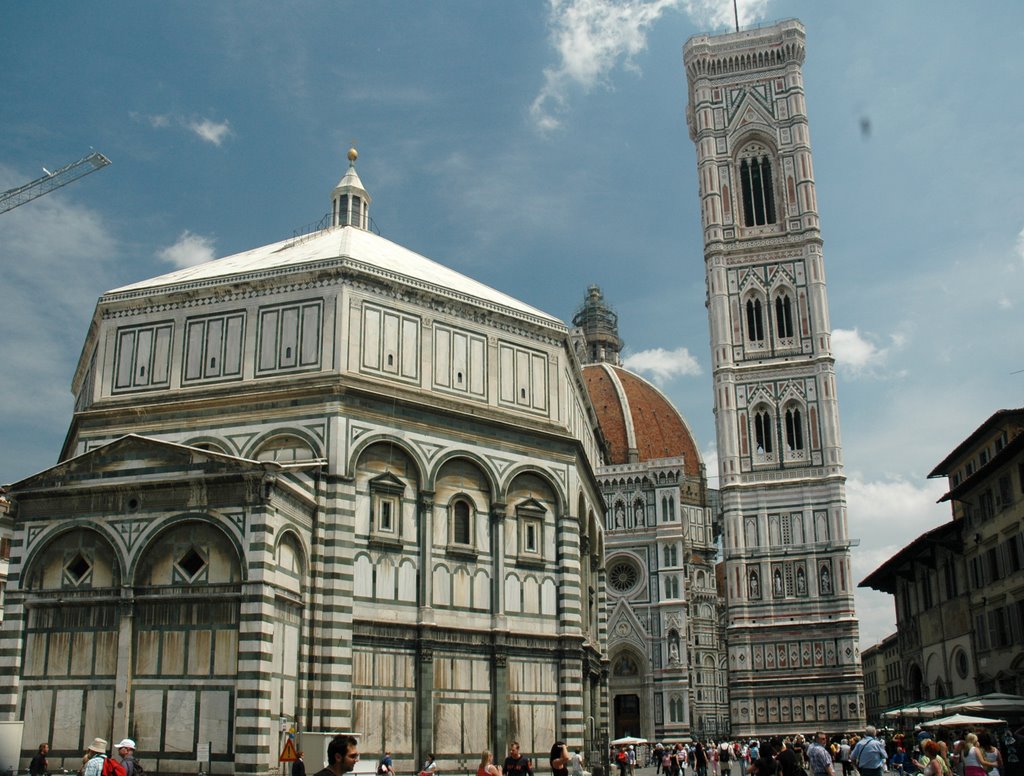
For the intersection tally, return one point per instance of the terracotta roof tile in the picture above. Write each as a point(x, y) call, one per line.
point(661, 431)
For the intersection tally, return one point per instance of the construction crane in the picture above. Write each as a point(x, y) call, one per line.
point(52, 180)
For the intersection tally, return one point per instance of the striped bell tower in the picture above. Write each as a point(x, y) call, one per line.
point(793, 656)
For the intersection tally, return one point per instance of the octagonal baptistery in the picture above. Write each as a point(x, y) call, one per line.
point(664, 607)
point(326, 481)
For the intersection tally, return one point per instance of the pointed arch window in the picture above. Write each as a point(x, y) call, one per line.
point(763, 432)
point(784, 316)
point(755, 320)
point(758, 189)
point(794, 429)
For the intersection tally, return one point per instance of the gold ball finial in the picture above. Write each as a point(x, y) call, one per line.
point(353, 154)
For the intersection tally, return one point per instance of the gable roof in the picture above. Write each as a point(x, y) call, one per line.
point(139, 458)
point(345, 247)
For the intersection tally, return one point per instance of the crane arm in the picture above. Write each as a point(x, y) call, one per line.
point(52, 180)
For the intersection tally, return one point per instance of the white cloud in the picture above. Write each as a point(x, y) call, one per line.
point(663, 364)
point(189, 250)
point(859, 356)
point(211, 131)
point(1020, 245)
point(852, 350)
point(715, 15)
point(885, 516)
point(593, 36)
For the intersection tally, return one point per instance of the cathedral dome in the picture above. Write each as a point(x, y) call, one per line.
point(637, 420)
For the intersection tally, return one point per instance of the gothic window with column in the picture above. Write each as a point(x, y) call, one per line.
point(756, 184)
point(763, 434)
point(794, 432)
point(755, 320)
point(784, 317)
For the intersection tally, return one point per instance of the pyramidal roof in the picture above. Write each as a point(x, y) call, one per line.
point(345, 247)
point(340, 247)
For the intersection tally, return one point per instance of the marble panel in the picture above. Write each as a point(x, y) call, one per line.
point(461, 588)
point(407, 581)
point(385, 579)
point(384, 671)
point(199, 652)
point(482, 591)
point(362, 668)
point(180, 722)
point(225, 654)
point(172, 659)
point(99, 715)
point(215, 714)
point(476, 727)
point(531, 595)
point(442, 587)
point(481, 676)
point(106, 653)
point(520, 726)
point(547, 597)
point(405, 674)
point(57, 663)
point(36, 714)
point(34, 663)
point(146, 652)
point(362, 573)
point(367, 720)
point(81, 654)
point(67, 722)
point(447, 728)
point(513, 596)
point(398, 726)
point(543, 727)
point(147, 716)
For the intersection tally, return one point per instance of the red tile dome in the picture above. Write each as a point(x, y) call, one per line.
point(634, 415)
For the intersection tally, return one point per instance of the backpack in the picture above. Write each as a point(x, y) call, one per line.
point(112, 767)
point(138, 770)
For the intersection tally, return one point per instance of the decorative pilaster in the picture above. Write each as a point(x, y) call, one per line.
point(424, 536)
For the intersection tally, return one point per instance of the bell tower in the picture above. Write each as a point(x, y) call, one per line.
point(793, 655)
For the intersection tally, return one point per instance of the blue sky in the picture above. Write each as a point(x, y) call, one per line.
point(538, 147)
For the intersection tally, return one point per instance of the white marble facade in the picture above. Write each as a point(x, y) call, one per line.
point(327, 481)
point(786, 541)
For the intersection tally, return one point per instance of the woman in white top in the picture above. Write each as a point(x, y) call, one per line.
point(975, 763)
point(988, 746)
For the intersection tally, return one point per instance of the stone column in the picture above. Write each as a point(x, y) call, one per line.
point(424, 735)
point(125, 664)
point(498, 511)
point(500, 702)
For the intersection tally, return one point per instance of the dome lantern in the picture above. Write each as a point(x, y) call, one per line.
point(350, 202)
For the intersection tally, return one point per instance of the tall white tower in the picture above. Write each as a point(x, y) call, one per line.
point(792, 636)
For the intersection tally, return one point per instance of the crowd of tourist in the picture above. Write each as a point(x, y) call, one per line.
point(921, 753)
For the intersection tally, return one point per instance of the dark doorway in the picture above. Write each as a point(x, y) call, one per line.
point(627, 715)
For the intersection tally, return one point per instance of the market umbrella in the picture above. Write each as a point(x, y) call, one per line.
point(992, 703)
point(963, 720)
point(627, 740)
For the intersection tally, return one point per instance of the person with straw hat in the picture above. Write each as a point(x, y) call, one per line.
point(95, 754)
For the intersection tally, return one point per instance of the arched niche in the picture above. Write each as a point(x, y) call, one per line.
point(387, 480)
point(191, 553)
point(290, 559)
point(79, 559)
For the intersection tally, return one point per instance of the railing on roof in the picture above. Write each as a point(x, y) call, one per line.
point(307, 231)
